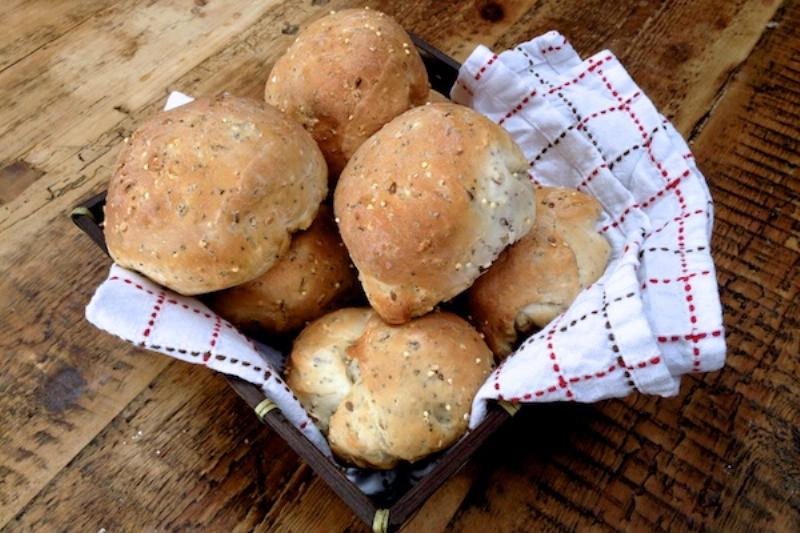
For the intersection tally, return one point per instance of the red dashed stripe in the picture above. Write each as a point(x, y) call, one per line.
point(625, 104)
point(681, 237)
point(169, 301)
point(484, 67)
point(696, 364)
point(497, 378)
point(151, 322)
point(693, 337)
point(677, 219)
point(214, 337)
point(129, 282)
point(596, 375)
point(551, 48)
point(215, 332)
point(538, 394)
point(645, 364)
point(674, 183)
point(586, 377)
point(580, 76)
point(620, 107)
point(687, 288)
point(517, 108)
point(679, 279)
point(552, 353)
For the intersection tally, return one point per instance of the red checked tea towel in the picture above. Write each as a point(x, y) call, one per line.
point(137, 310)
point(655, 314)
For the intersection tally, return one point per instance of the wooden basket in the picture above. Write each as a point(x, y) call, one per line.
point(385, 515)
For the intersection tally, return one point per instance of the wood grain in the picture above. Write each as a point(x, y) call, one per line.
point(437, 512)
point(38, 23)
point(725, 454)
point(61, 383)
point(186, 478)
point(77, 76)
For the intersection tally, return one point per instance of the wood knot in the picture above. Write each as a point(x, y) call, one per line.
point(490, 11)
point(62, 389)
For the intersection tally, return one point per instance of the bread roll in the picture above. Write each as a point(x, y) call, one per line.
point(315, 276)
point(536, 279)
point(346, 76)
point(386, 394)
point(206, 196)
point(427, 203)
point(435, 97)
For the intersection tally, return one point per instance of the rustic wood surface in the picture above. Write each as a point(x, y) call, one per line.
point(95, 434)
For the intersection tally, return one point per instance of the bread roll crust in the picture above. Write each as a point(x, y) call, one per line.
point(312, 278)
point(345, 76)
point(206, 196)
point(429, 202)
point(537, 278)
point(411, 386)
point(435, 97)
point(319, 371)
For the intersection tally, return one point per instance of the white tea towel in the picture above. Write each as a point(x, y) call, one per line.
point(655, 314)
point(137, 310)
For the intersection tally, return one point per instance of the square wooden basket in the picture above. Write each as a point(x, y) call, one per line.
point(381, 515)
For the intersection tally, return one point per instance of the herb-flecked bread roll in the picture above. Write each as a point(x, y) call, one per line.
point(315, 276)
point(207, 195)
point(537, 278)
point(345, 76)
point(385, 394)
point(428, 203)
point(435, 97)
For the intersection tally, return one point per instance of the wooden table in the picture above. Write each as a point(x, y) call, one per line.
point(95, 434)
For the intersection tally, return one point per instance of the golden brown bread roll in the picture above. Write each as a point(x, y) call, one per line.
point(435, 97)
point(427, 203)
point(315, 276)
point(346, 76)
point(206, 196)
point(537, 278)
point(385, 394)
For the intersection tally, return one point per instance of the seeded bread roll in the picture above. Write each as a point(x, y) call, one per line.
point(386, 394)
point(315, 276)
point(536, 279)
point(206, 196)
point(346, 76)
point(435, 97)
point(427, 203)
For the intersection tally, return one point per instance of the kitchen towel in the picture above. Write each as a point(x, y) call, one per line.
point(655, 314)
point(147, 315)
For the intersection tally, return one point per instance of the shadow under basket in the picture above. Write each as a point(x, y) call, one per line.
point(380, 515)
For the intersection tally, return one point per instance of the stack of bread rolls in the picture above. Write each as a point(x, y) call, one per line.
point(229, 198)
